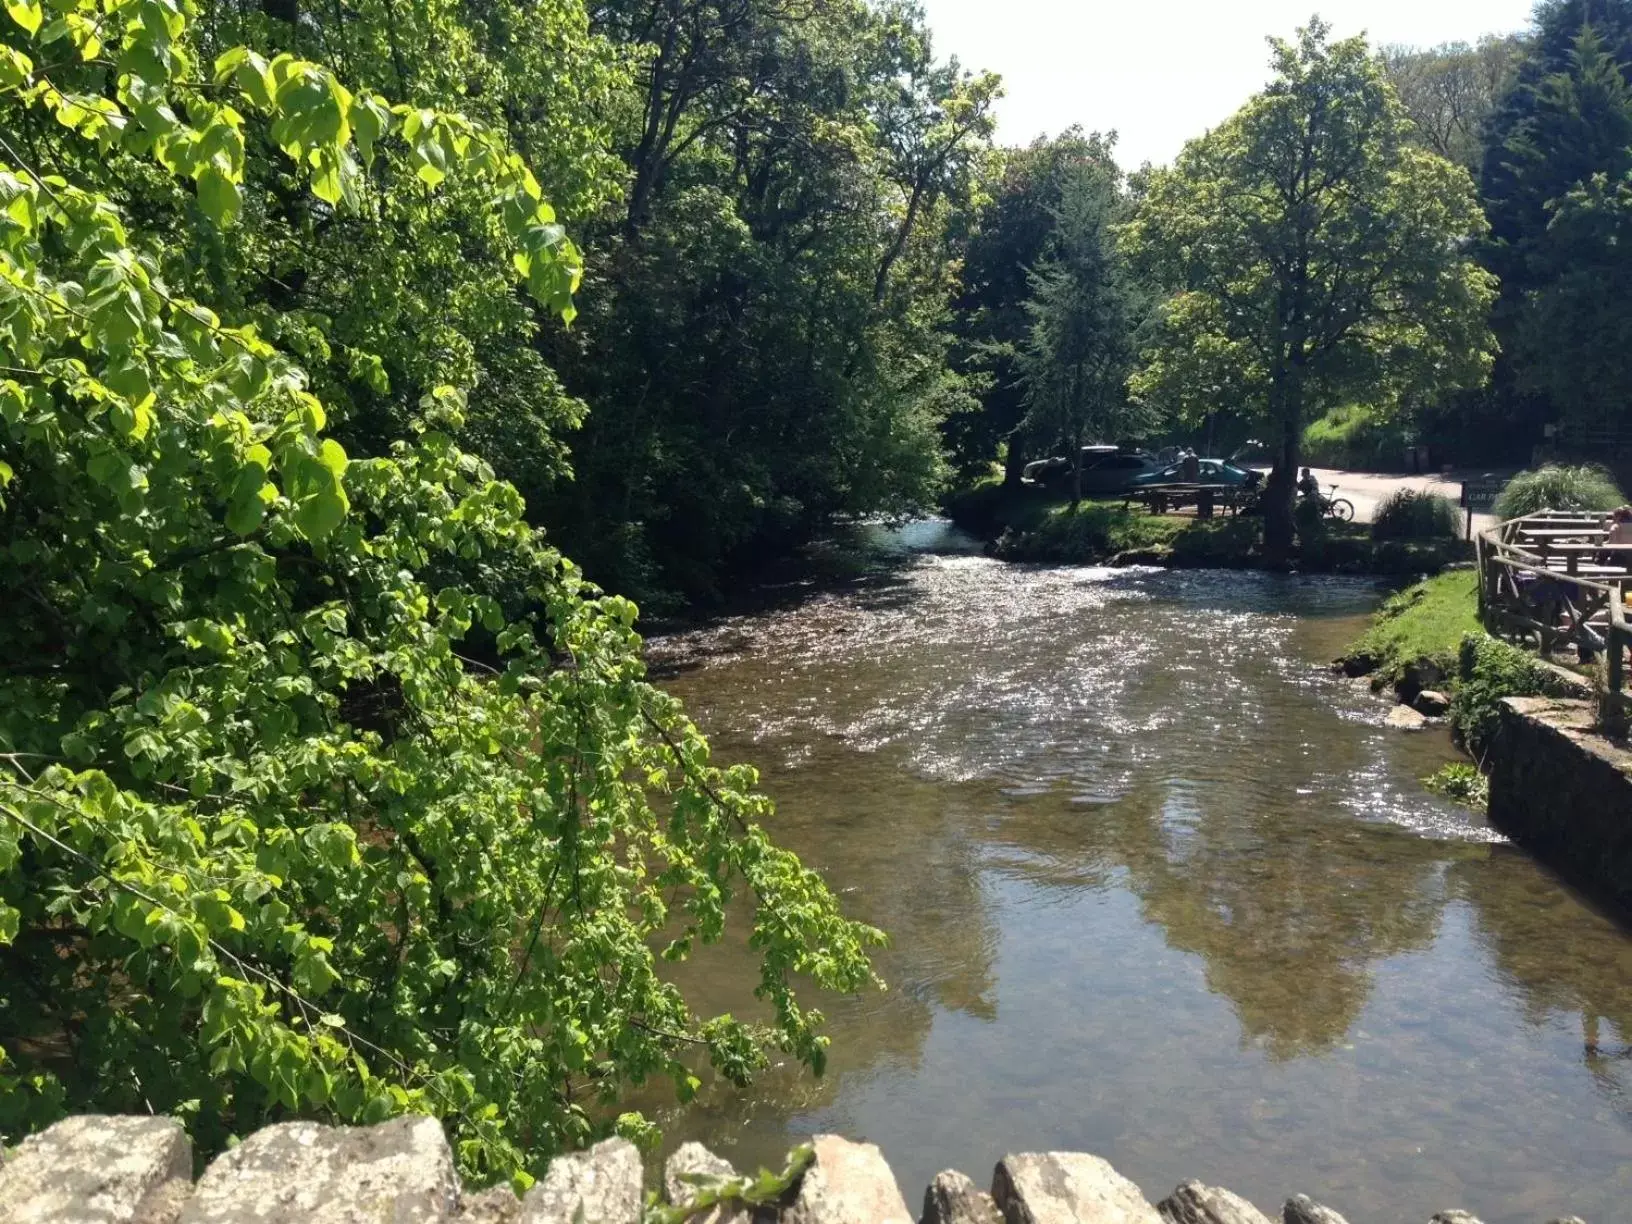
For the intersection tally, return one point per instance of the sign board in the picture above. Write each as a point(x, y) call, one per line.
point(1478, 496)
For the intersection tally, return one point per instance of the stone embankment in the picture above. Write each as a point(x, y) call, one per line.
point(139, 1170)
point(1564, 792)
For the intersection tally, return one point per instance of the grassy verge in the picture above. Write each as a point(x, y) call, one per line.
point(1421, 628)
point(1429, 636)
point(1094, 531)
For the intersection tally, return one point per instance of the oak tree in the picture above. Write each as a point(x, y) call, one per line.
point(1312, 255)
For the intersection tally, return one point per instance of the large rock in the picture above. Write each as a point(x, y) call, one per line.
point(1431, 703)
point(98, 1170)
point(1067, 1188)
point(604, 1181)
point(1357, 665)
point(847, 1183)
point(1405, 718)
point(399, 1172)
point(1301, 1209)
point(1455, 1216)
point(693, 1167)
point(1194, 1203)
point(952, 1198)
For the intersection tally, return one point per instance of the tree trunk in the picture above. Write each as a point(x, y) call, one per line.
point(1076, 470)
point(1280, 494)
point(1014, 460)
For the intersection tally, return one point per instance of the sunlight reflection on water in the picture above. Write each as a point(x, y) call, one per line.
point(1162, 887)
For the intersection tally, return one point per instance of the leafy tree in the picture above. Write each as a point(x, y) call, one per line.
point(1574, 341)
point(327, 787)
point(1560, 223)
point(1560, 122)
point(1450, 91)
point(1084, 308)
point(768, 348)
point(1313, 256)
point(1014, 230)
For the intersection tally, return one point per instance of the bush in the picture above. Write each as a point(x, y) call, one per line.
point(1412, 515)
point(1487, 671)
point(1090, 533)
point(1310, 518)
point(1461, 783)
point(1559, 487)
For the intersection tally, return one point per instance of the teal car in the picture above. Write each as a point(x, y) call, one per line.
point(1212, 472)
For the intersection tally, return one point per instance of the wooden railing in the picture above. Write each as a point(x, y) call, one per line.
point(1552, 581)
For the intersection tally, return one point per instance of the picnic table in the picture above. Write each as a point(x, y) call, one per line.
point(1545, 534)
point(1159, 498)
point(1574, 552)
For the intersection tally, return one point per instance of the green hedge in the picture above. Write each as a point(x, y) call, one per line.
point(1487, 671)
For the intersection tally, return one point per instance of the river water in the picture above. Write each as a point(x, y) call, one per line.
point(1159, 887)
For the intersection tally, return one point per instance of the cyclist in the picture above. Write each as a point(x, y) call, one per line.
point(1307, 484)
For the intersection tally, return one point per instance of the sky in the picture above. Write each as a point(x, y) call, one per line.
point(1161, 72)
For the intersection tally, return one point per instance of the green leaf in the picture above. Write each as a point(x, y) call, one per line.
point(14, 67)
point(218, 195)
point(26, 13)
point(249, 72)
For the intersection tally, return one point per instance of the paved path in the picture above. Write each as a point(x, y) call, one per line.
point(1367, 489)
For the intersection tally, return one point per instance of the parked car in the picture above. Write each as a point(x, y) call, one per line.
point(1105, 469)
point(1213, 471)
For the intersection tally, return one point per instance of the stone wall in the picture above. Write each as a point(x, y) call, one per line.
point(1565, 793)
point(123, 1170)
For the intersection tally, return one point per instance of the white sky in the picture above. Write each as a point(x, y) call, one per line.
point(1160, 73)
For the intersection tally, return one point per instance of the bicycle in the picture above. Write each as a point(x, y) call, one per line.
point(1339, 508)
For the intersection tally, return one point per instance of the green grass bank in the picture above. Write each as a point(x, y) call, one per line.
point(1026, 524)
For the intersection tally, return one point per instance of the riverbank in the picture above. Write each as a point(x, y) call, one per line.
point(1026, 524)
point(93, 1167)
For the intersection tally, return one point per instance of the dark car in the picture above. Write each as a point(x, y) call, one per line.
point(1105, 469)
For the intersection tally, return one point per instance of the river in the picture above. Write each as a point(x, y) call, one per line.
point(1160, 887)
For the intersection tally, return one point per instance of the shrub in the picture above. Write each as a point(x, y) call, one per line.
point(1559, 487)
point(1409, 514)
point(1462, 783)
point(1487, 671)
point(1310, 518)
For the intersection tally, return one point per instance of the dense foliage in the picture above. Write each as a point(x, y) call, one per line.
point(1410, 514)
point(765, 326)
point(1559, 487)
point(1016, 231)
point(1312, 256)
point(327, 786)
point(1552, 181)
point(1084, 308)
point(1488, 670)
point(1450, 91)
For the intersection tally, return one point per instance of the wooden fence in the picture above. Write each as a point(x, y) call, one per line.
point(1552, 581)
